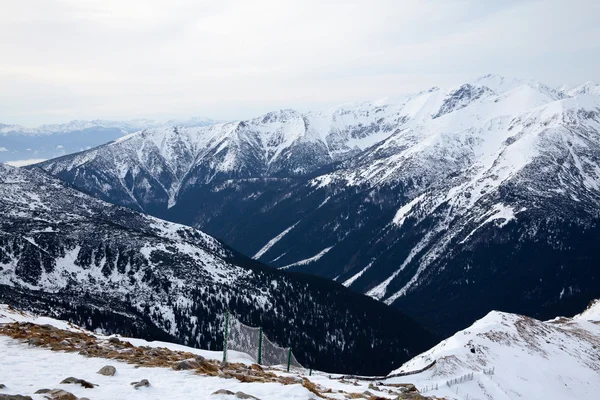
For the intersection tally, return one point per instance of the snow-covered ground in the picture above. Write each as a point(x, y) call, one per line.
point(500, 357)
point(506, 356)
point(26, 369)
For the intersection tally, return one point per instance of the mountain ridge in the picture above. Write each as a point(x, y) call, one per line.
point(495, 163)
point(105, 266)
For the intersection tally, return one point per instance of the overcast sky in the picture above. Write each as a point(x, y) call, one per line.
point(231, 59)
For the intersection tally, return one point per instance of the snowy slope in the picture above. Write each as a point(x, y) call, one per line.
point(512, 356)
point(29, 368)
point(105, 266)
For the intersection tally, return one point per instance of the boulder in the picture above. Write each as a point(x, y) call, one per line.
point(42, 391)
point(77, 381)
point(114, 340)
point(2, 385)
point(35, 341)
point(59, 394)
point(14, 397)
point(225, 392)
point(142, 383)
point(187, 364)
point(107, 370)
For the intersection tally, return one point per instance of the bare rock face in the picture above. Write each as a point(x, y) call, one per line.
point(142, 383)
point(107, 370)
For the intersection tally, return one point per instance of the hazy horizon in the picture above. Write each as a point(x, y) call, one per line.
point(65, 60)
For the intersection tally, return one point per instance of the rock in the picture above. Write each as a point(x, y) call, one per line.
point(200, 359)
point(59, 394)
point(224, 391)
point(242, 395)
point(2, 385)
point(142, 383)
point(114, 340)
point(83, 398)
point(35, 342)
point(14, 397)
point(187, 364)
point(84, 383)
point(107, 370)
point(42, 391)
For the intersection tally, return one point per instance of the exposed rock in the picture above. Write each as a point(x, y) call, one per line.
point(142, 383)
point(114, 340)
point(59, 394)
point(35, 342)
point(187, 364)
point(224, 391)
point(42, 391)
point(2, 385)
point(14, 397)
point(242, 395)
point(107, 370)
point(82, 382)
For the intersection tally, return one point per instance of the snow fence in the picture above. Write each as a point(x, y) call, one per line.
point(252, 341)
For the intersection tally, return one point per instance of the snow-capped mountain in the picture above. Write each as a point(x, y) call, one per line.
point(18, 143)
point(105, 266)
point(487, 191)
point(509, 356)
point(151, 168)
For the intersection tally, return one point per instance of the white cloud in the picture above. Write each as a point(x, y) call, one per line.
point(3, 149)
point(67, 59)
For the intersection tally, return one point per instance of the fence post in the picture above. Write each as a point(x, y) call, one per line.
point(260, 346)
point(289, 358)
point(310, 372)
point(225, 337)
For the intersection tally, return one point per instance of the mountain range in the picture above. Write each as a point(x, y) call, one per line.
point(107, 267)
point(445, 204)
point(19, 144)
